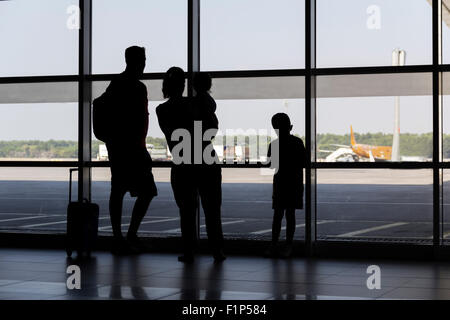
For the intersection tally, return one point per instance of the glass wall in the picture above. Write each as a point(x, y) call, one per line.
point(374, 127)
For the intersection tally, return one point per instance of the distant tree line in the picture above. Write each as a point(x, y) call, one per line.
point(38, 149)
point(410, 145)
point(55, 149)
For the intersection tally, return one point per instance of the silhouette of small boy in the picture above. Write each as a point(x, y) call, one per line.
point(287, 156)
point(202, 85)
point(205, 105)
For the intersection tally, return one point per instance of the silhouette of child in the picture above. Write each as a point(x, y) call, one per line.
point(287, 156)
point(205, 107)
point(202, 85)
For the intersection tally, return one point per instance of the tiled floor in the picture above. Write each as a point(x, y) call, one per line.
point(41, 274)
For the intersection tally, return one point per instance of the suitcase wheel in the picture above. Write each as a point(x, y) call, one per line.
point(69, 253)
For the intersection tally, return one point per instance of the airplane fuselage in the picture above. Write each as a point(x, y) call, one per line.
point(382, 153)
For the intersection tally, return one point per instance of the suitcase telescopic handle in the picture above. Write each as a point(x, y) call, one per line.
point(71, 170)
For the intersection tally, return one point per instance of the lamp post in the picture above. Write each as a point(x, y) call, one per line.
point(398, 59)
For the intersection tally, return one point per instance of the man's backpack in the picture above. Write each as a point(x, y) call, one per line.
point(101, 117)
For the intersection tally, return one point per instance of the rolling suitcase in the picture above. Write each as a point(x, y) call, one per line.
point(82, 224)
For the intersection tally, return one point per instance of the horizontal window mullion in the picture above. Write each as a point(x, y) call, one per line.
point(38, 79)
point(238, 73)
point(372, 70)
point(168, 164)
point(258, 73)
point(108, 77)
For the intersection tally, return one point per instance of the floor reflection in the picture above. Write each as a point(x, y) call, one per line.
point(88, 277)
point(42, 274)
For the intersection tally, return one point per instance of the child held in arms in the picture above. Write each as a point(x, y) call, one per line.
point(205, 110)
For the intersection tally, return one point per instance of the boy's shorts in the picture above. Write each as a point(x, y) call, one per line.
point(287, 194)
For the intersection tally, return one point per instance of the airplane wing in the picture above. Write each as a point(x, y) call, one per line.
point(326, 151)
point(340, 145)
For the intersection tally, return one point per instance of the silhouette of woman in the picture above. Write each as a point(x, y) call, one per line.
point(176, 116)
point(189, 179)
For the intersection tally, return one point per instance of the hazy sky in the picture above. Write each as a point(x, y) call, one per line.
point(235, 34)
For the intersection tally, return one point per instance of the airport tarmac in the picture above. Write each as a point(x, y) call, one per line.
point(378, 204)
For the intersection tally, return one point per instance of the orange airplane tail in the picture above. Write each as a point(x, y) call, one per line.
point(352, 136)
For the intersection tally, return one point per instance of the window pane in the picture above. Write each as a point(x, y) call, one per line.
point(367, 104)
point(159, 25)
point(245, 107)
point(155, 137)
point(374, 204)
point(446, 206)
point(252, 34)
point(445, 31)
point(446, 116)
point(34, 199)
point(248, 123)
point(37, 38)
point(259, 88)
point(247, 205)
point(354, 33)
point(39, 121)
point(162, 218)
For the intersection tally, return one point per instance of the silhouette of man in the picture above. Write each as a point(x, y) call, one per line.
point(131, 164)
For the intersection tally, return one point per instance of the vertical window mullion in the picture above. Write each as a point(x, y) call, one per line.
point(310, 124)
point(194, 61)
point(84, 100)
point(437, 155)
